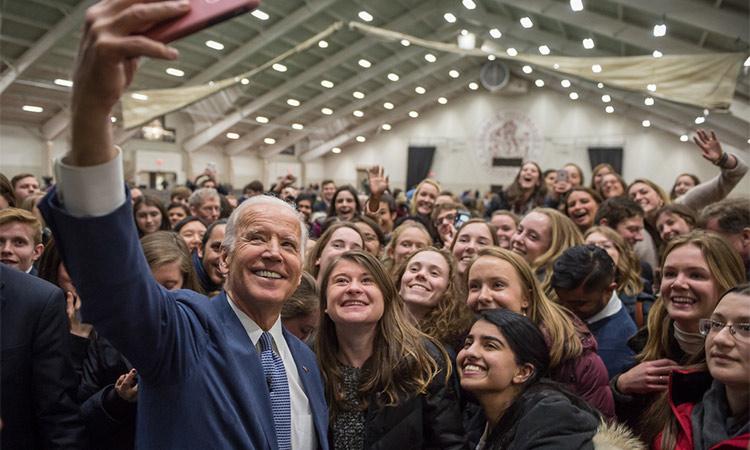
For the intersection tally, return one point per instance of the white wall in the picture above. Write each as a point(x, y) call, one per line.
point(566, 129)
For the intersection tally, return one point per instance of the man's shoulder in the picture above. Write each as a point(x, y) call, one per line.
point(33, 289)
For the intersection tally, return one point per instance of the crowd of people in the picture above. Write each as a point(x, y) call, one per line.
point(553, 314)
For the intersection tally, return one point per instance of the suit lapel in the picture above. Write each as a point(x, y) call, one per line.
point(242, 349)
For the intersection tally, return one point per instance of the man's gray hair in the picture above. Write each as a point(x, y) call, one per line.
point(197, 198)
point(230, 236)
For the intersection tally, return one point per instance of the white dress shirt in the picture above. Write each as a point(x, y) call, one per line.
point(614, 305)
point(94, 191)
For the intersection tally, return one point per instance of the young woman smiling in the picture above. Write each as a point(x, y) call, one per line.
point(338, 238)
point(581, 205)
point(506, 224)
point(471, 237)
point(406, 238)
point(502, 363)
point(696, 268)
point(497, 278)
point(387, 384)
point(150, 215)
point(525, 193)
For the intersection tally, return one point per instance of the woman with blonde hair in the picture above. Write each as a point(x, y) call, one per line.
point(696, 269)
point(499, 278)
point(470, 237)
point(428, 284)
point(423, 200)
point(387, 384)
point(630, 285)
point(407, 237)
point(600, 170)
point(542, 236)
point(338, 238)
point(169, 259)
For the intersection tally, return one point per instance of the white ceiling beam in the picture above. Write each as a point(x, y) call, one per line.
point(252, 138)
point(696, 14)
point(204, 137)
point(41, 46)
point(264, 38)
point(442, 64)
point(606, 26)
point(391, 116)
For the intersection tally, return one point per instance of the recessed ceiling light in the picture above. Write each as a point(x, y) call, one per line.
point(323, 43)
point(139, 96)
point(429, 57)
point(660, 30)
point(245, 81)
point(258, 14)
point(491, 57)
point(393, 77)
point(596, 68)
point(420, 90)
point(565, 83)
point(32, 108)
point(63, 82)
point(279, 67)
point(657, 54)
point(386, 126)
point(326, 111)
point(261, 119)
point(269, 141)
point(442, 100)
point(175, 72)
point(233, 136)
point(413, 114)
point(600, 85)
point(336, 150)
point(539, 83)
point(326, 83)
point(573, 95)
point(576, 5)
point(526, 22)
point(214, 45)
point(449, 17)
point(364, 63)
point(651, 87)
point(606, 98)
point(495, 33)
point(358, 113)
point(298, 126)
point(646, 123)
point(454, 73)
point(473, 86)
point(469, 4)
point(699, 120)
point(113, 119)
point(609, 109)
point(358, 95)
point(360, 138)
point(364, 15)
point(684, 138)
point(588, 43)
point(544, 50)
point(388, 105)
point(555, 66)
point(527, 69)
point(405, 42)
point(648, 101)
point(292, 102)
point(511, 51)
point(747, 62)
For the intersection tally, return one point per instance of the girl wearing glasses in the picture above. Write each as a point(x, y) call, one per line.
point(709, 409)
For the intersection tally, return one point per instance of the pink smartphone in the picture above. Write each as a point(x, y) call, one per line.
point(203, 14)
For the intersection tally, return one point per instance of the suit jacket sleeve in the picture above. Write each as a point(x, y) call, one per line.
point(157, 330)
point(53, 378)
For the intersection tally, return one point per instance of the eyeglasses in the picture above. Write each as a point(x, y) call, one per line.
point(738, 330)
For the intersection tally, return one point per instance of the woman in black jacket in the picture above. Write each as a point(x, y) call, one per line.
point(502, 363)
point(388, 385)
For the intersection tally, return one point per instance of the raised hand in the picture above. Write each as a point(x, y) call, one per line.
point(105, 67)
point(127, 386)
point(378, 181)
point(709, 145)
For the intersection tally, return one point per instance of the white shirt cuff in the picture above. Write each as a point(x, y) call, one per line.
point(92, 190)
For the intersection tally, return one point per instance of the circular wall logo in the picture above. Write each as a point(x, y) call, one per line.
point(505, 140)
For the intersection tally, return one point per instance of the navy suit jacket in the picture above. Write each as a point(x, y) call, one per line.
point(201, 379)
point(37, 400)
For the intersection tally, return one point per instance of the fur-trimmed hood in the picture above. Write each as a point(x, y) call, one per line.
point(616, 437)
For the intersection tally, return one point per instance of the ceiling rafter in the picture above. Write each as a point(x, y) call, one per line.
point(205, 136)
point(391, 116)
point(340, 89)
point(419, 74)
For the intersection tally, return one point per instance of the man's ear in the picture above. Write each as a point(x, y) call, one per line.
point(523, 373)
point(38, 249)
point(745, 237)
point(604, 222)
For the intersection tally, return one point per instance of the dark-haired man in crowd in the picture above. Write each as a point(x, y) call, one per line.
point(327, 189)
point(731, 219)
point(584, 281)
point(207, 260)
point(24, 184)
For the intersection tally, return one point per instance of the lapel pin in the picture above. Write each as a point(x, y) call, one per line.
point(305, 369)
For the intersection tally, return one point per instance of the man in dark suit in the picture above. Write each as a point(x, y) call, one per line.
point(38, 381)
point(212, 374)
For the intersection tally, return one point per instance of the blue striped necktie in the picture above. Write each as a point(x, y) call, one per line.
point(278, 388)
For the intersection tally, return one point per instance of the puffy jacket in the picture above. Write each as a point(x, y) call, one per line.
point(586, 375)
point(687, 389)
